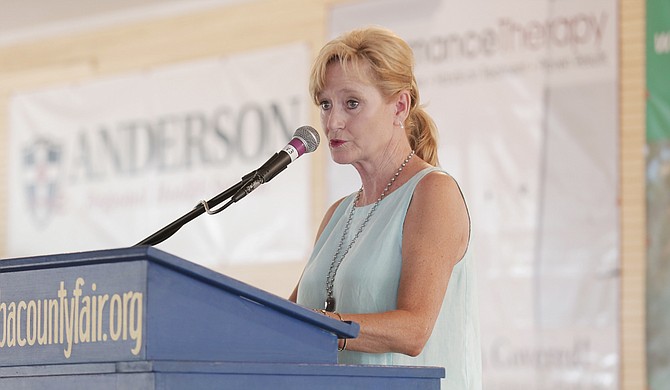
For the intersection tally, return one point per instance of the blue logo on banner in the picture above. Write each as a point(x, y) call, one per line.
point(41, 163)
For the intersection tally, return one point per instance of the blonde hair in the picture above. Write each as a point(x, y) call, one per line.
point(391, 64)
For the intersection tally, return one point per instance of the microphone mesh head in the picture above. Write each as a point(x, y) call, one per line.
point(309, 137)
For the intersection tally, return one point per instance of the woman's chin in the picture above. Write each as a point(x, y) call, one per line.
point(339, 157)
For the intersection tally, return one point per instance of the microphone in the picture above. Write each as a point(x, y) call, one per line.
point(305, 140)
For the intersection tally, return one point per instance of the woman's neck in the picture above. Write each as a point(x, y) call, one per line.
point(375, 177)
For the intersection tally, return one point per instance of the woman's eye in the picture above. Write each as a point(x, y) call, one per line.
point(352, 103)
point(325, 105)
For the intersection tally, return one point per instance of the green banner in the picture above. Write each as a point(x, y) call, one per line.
point(658, 69)
point(657, 189)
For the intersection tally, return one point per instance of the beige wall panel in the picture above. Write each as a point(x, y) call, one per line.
point(632, 194)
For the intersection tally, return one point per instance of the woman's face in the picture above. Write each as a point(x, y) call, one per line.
point(357, 119)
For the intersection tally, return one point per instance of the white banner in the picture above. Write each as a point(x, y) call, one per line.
point(525, 95)
point(109, 162)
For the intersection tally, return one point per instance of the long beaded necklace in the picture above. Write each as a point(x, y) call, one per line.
point(337, 259)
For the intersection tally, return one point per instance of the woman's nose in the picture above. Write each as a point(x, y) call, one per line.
point(333, 120)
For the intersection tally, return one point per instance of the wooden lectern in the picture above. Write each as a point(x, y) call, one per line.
point(139, 318)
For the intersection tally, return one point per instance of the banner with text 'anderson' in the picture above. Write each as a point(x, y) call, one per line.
point(107, 163)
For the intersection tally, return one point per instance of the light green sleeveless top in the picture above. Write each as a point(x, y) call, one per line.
point(367, 282)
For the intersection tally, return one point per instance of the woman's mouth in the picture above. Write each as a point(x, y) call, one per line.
point(334, 143)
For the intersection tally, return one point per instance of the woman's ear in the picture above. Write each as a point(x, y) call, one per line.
point(402, 105)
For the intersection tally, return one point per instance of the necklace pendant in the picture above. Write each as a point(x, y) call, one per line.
point(330, 304)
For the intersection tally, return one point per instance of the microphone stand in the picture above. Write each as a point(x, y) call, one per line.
point(202, 207)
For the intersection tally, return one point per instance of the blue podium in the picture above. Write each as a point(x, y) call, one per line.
point(139, 318)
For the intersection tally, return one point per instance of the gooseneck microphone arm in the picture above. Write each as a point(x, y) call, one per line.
point(305, 140)
point(201, 208)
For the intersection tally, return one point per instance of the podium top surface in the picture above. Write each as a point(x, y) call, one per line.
point(190, 269)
